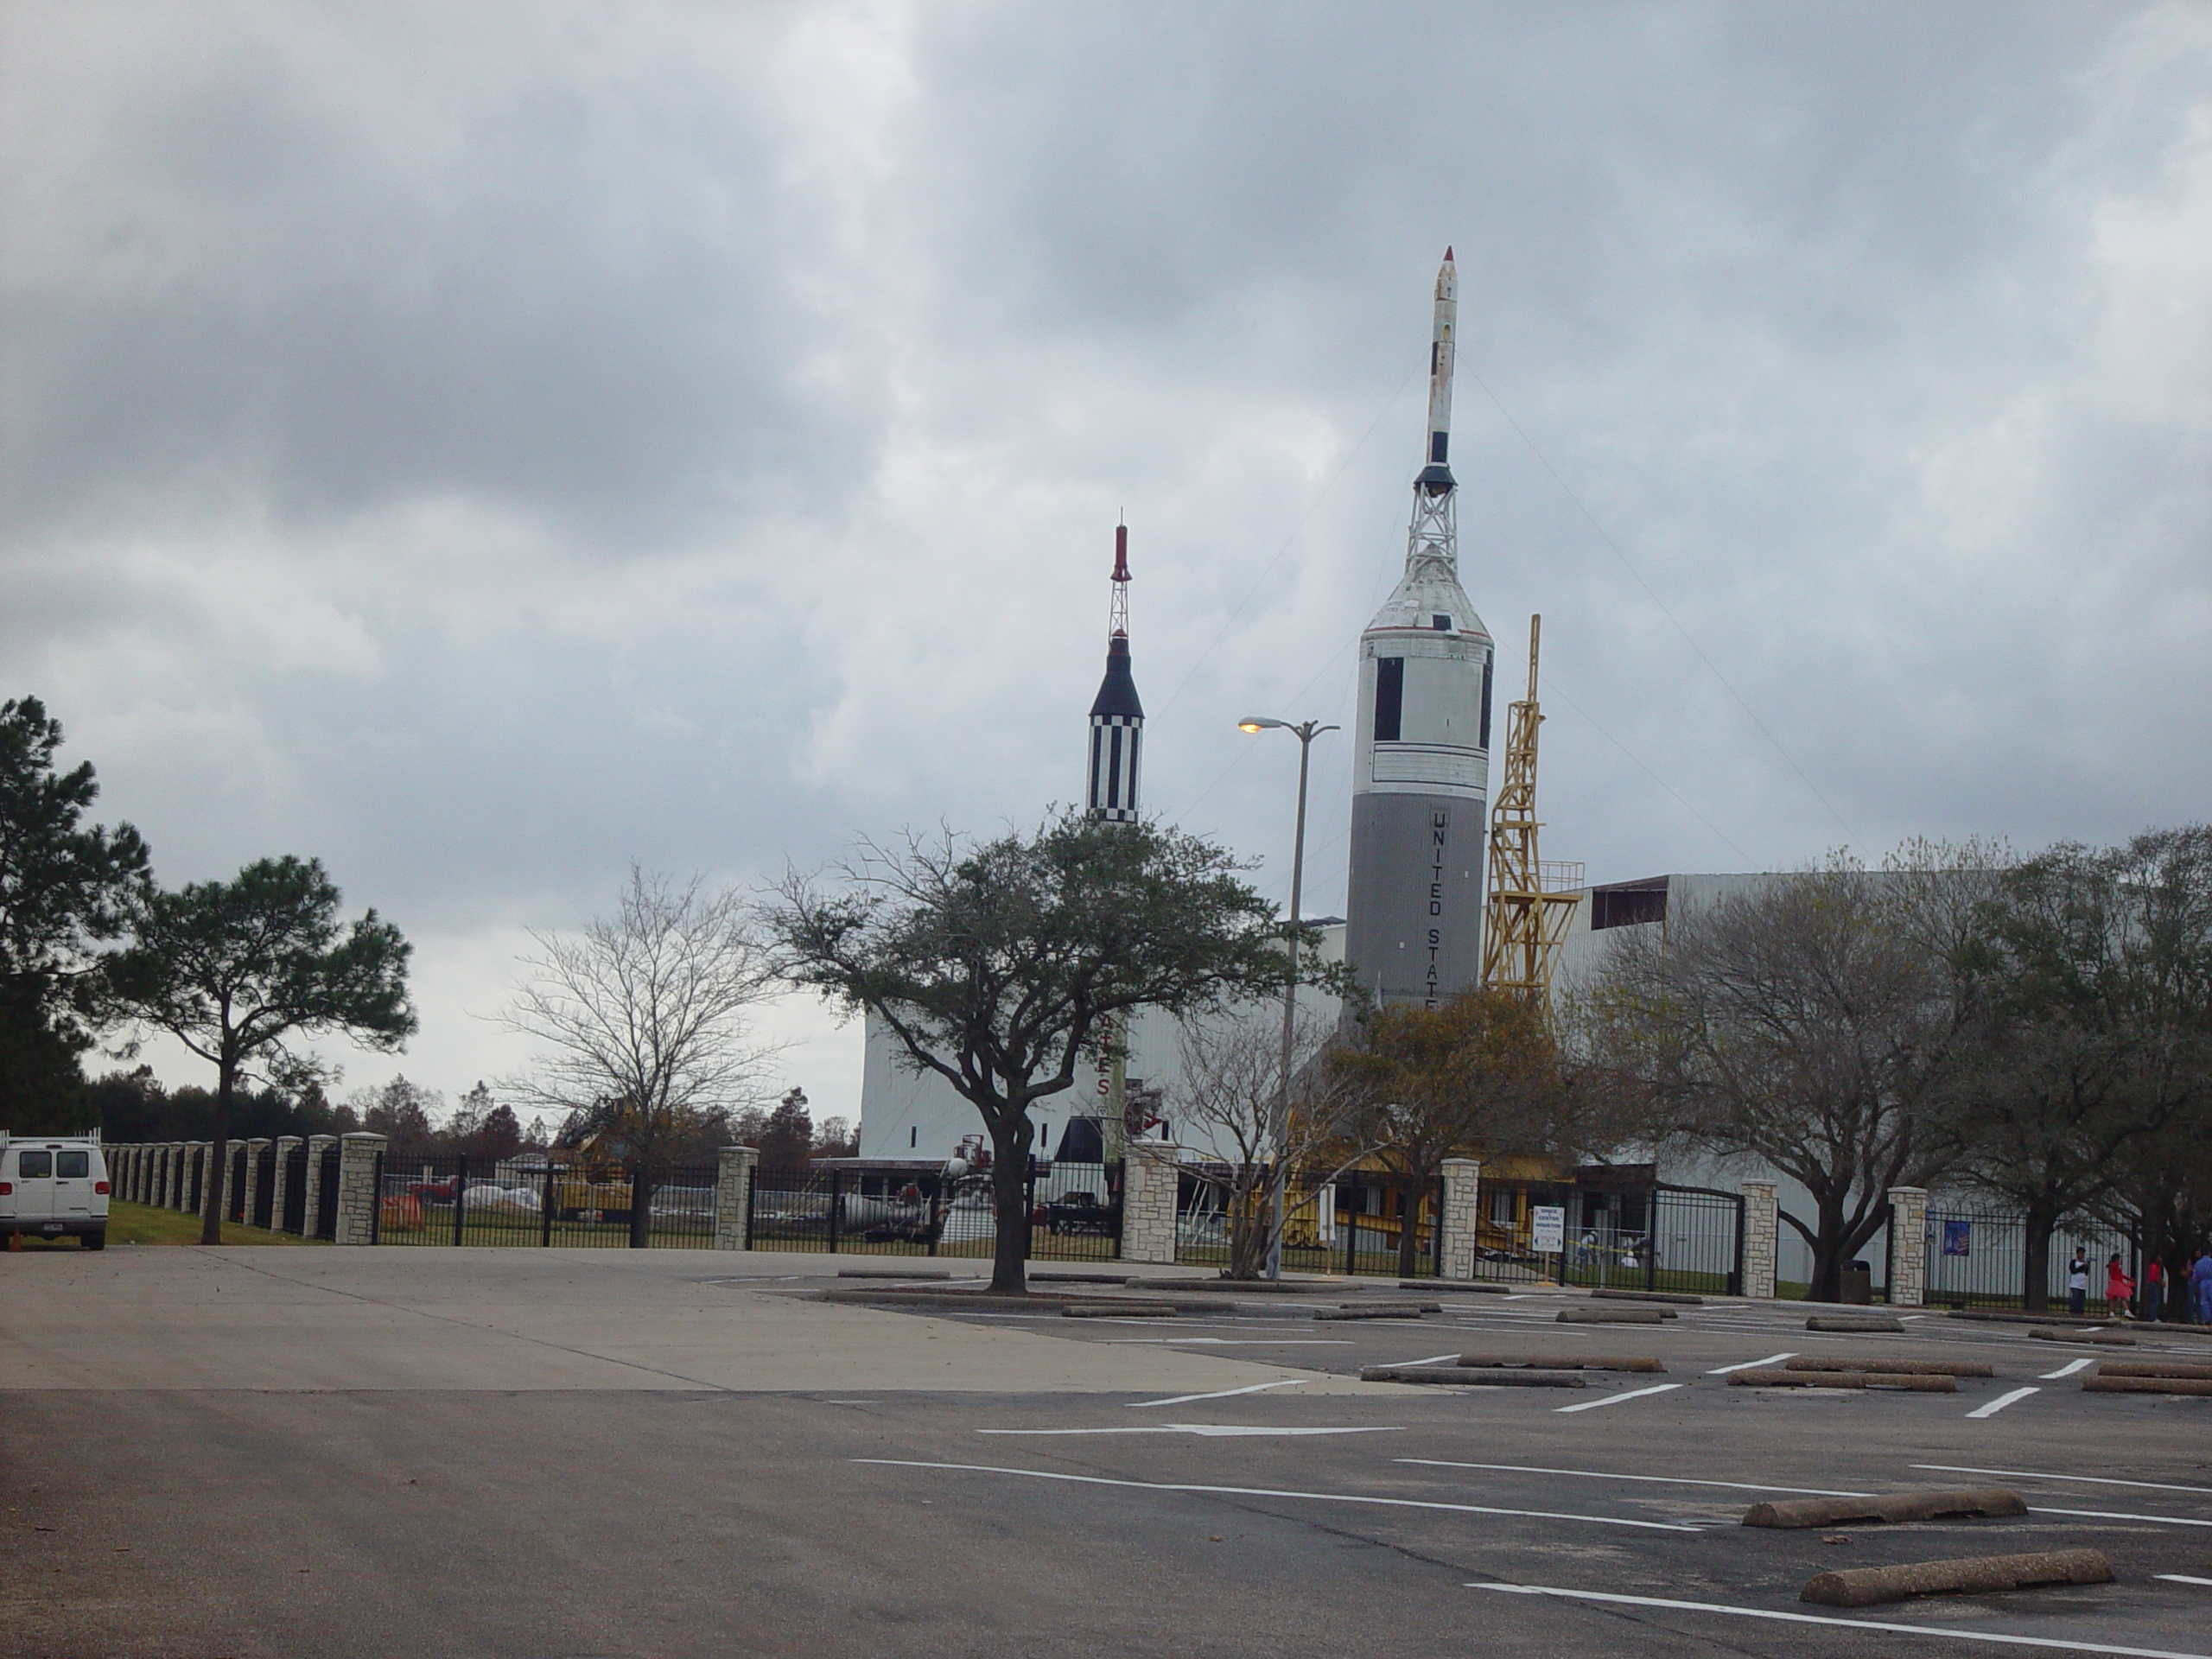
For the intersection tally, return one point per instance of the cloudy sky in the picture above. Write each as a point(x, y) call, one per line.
point(479, 446)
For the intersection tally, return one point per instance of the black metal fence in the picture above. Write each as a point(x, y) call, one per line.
point(1645, 1236)
point(295, 1218)
point(1074, 1210)
point(454, 1200)
point(1978, 1258)
point(326, 1195)
point(1345, 1224)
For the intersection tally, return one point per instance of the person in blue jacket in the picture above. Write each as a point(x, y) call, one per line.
point(2200, 1285)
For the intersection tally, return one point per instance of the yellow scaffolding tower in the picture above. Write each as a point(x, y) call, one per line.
point(1530, 900)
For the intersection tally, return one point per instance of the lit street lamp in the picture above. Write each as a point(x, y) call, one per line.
point(1306, 731)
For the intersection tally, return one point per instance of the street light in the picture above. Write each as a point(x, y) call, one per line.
point(1306, 731)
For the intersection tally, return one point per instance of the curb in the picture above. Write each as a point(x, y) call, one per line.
point(1867, 1587)
point(1611, 1316)
point(1905, 1382)
point(1564, 1361)
point(1452, 1378)
point(1938, 1505)
point(1898, 1367)
point(2196, 1385)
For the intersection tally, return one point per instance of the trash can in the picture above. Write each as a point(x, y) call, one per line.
point(1857, 1288)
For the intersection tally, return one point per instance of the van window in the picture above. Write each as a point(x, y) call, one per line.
point(36, 1166)
point(72, 1165)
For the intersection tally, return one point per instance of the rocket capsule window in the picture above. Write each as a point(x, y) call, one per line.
point(1442, 624)
point(1390, 697)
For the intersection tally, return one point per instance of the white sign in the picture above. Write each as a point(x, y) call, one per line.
point(1548, 1226)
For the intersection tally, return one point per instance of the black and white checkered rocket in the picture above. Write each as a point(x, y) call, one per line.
point(1116, 715)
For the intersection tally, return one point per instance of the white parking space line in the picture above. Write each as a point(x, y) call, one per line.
point(1993, 1637)
point(2181, 1578)
point(2001, 1402)
point(1667, 1480)
point(2107, 1514)
point(1616, 1399)
point(1751, 1364)
point(1222, 1393)
point(2068, 1369)
point(1268, 1492)
point(2045, 1474)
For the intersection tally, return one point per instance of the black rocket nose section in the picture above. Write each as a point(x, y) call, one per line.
point(1117, 692)
point(1436, 479)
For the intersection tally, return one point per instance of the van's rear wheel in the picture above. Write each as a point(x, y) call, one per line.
point(93, 1241)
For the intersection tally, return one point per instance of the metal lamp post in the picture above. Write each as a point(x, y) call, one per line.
point(1306, 731)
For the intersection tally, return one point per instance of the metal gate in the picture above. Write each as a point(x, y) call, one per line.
point(1074, 1211)
point(1978, 1258)
point(454, 1200)
point(1650, 1236)
point(264, 1190)
point(295, 1218)
point(326, 1198)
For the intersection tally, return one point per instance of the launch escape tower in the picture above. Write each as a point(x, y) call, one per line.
point(1117, 716)
point(1421, 768)
point(1531, 901)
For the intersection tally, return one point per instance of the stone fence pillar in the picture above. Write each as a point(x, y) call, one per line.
point(126, 1187)
point(257, 1154)
point(1908, 1275)
point(1762, 1220)
point(733, 1197)
point(356, 1187)
point(1463, 1215)
point(281, 1189)
point(1151, 1173)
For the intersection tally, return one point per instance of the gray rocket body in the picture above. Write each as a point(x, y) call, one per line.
point(1421, 767)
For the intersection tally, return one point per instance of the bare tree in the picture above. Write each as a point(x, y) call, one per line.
point(1814, 1023)
point(1231, 1090)
point(646, 1019)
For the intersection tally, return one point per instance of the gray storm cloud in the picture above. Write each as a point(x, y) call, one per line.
point(479, 447)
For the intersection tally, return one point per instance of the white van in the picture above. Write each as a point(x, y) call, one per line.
point(54, 1187)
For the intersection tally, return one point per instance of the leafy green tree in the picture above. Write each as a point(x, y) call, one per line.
point(237, 970)
point(1002, 967)
point(66, 889)
point(2093, 1071)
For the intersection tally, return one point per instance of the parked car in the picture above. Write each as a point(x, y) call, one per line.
point(54, 1187)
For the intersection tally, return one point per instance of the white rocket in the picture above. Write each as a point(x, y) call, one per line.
point(1421, 768)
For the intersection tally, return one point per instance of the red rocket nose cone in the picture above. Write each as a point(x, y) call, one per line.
point(1447, 254)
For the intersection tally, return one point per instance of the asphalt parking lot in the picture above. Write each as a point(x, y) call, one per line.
point(593, 1457)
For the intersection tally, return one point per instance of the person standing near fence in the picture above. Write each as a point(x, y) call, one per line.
point(2200, 1285)
point(2154, 1289)
point(2119, 1289)
point(2077, 1282)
